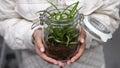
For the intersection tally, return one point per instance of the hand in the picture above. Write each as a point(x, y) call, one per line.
point(81, 49)
point(38, 40)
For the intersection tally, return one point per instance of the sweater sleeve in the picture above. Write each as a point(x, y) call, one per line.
point(16, 30)
point(103, 22)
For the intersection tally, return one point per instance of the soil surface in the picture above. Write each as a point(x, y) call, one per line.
point(61, 52)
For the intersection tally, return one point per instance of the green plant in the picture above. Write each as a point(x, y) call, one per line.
point(62, 34)
point(62, 16)
point(67, 35)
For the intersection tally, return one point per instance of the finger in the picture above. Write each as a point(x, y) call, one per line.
point(79, 54)
point(48, 59)
point(68, 62)
point(45, 57)
point(61, 63)
point(81, 40)
point(82, 36)
point(38, 41)
point(39, 45)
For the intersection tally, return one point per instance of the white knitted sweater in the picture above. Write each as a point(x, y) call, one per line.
point(17, 16)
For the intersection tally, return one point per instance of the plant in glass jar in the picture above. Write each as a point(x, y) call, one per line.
point(61, 34)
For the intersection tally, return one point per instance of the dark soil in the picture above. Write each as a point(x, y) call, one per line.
point(61, 52)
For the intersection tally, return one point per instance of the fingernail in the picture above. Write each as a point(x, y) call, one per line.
point(82, 40)
point(42, 49)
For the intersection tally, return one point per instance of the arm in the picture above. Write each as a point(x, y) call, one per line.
point(108, 15)
point(103, 13)
point(14, 28)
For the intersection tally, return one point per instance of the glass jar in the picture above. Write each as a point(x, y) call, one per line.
point(60, 35)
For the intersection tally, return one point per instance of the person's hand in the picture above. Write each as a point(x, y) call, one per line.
point(81, 40)
point(38, 40)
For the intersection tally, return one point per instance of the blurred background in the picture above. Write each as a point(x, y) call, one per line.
point(112, 51)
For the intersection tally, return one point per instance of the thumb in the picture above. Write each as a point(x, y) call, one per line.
point(82, 40)
point(40, 45)
point(39, 41)
point(82, 36)
point(42, 49)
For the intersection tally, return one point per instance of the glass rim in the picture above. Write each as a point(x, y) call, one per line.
point(62, 22)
